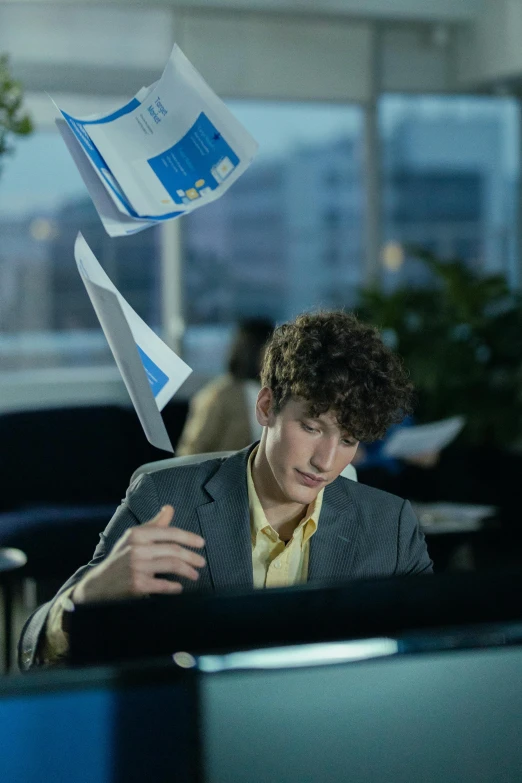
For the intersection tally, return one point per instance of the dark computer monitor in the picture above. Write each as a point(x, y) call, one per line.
point(451, 715)
point(99, 726)
point(141, 628)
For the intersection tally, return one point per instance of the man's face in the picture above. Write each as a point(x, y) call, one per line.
point(303, 454)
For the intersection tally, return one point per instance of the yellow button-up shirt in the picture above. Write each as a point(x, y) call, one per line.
point(274, 562)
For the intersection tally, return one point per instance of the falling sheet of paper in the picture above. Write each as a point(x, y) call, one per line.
point(423, 438)
point(115, 223)
point(171, 149)
point(151, 371)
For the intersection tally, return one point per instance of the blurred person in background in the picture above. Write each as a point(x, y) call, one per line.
point(222, 414)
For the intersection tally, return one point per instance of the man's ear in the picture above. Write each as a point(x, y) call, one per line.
point(264, 406)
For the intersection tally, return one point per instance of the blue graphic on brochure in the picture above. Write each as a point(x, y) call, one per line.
point(155, 376)
point(197, 164)
point(77, 127)
point(130, 106)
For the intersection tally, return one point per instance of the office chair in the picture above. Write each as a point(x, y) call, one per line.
point(11, 561)
point(193, 459)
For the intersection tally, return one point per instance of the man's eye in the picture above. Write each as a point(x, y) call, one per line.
point(307, 427)
point(349, 442)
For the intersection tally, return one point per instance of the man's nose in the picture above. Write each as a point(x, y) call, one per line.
point(323, 457)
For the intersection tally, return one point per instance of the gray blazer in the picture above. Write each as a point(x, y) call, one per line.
point(362, 532)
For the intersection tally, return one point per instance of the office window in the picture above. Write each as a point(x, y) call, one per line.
point(450, 182)
point(287, 237)
point(46, 318)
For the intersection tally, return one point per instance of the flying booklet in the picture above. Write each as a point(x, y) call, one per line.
point(423, 438)
point(151, 371)
point(171, 149)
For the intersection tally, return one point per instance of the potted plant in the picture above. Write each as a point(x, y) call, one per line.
point(461, 340)
point(13, 120)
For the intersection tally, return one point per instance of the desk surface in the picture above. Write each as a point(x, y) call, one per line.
point(438, 518)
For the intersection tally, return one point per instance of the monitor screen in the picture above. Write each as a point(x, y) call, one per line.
point(97, 726)
point(453, 716)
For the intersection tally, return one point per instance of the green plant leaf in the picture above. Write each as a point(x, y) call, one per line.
point(13, 121)
point(461, 340)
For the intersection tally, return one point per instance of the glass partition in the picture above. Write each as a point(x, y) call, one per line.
point(288, 236)
point(451, 174)
point(46, 318)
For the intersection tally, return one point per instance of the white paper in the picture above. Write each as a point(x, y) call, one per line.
point(151, 371)
point(423, 438)
point(170, 150)
point(116, 224)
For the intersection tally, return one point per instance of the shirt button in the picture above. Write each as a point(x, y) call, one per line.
point(277, 564)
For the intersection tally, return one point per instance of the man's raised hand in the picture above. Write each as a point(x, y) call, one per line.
point(141, 554)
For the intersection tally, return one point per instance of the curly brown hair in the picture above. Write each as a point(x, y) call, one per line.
point(338, 364)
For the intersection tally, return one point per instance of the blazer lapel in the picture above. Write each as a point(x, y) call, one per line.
point(225, 525)
point(333, 547)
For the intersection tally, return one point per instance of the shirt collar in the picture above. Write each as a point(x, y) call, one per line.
point(258, 521)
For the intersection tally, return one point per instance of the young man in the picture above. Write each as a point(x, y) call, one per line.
point(278, 512)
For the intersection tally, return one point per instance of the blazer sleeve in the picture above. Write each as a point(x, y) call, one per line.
point(141, 504)
point(412, 552)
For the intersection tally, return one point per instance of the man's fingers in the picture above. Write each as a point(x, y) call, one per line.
point(165, 586)
point(167, 565)
point(154, 534)
point(148, 585)
point(162, 519)
point(154, 551)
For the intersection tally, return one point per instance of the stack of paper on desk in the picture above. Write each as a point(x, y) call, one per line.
point(171, 149)
point(151, 371)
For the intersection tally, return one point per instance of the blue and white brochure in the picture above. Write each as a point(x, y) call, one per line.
point(151, 371)
point(171, 149)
